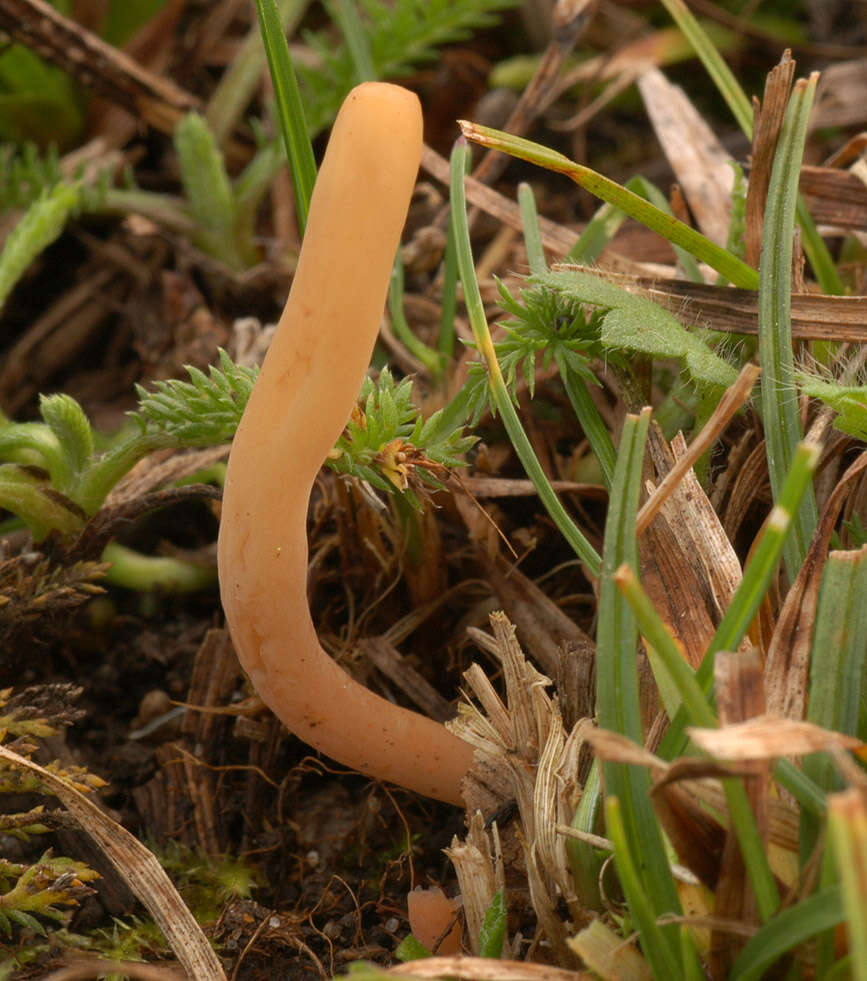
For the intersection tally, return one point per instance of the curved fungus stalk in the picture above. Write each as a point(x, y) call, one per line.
point(304, 394)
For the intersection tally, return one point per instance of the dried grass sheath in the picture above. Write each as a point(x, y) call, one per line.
point(305, 392)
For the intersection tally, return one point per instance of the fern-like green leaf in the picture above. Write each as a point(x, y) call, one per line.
point(25, 173)
point(545, 323)
point(208, 190)
point(203, 411)
point(387, 443)
point(399, 36)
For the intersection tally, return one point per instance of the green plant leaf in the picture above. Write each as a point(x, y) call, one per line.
point(410, 949)
point(204, 411)
point(633, 323)
point(209, 192)
point(643, 903)
point(243, 75)
point(847, 830)
point(848, 401)
point(67, 421)
point(41, 224)
point(493, 931)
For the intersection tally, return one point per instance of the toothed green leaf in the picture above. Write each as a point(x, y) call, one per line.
point(203, 411)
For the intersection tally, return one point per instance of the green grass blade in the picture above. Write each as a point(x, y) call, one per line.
point(598, 232)
point(692, 967)
point(674, 231)
point(650, 192)
point(244, 75)
point(290, 110)
point(723, 77)
point(758, 573)
point(801, 787)
point(788, 929)
point(449, 301)
point(499, 392)
point(663, 956)
point(780, 411)
point(576, 387)
point(532, 234)
point(589, 417)
point(837, 667)
point(664, 655)
point(669, 667)
point(617, 697)
point(345, 15)
point(847, 829)
point(752, 848)
point(604, 224)
point(399, 324)
point(839, 651)
point(584, 859)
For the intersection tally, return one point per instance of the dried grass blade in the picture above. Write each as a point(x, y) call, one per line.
point(787, 660)
point(814, 316)
point(768, 121)
point(754, 585)
point(700, 162)
point(732, 400)
point(605, 951)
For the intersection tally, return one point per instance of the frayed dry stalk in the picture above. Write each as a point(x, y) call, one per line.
point(525, 749)
point(478, 862)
